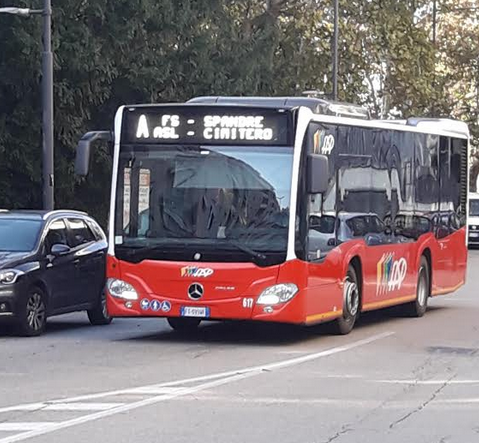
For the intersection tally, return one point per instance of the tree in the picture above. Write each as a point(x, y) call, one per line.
point(112, 52)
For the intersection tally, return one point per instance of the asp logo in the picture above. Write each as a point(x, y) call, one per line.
point(194, 271)
point(323, 144)
point(391, 273)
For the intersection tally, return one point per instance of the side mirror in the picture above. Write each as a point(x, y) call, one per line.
point(59, 249)
point(442, 232)
point(82, 161)
point(332, 242)
point(317, 170)
point(314, 221)
point(373, 240)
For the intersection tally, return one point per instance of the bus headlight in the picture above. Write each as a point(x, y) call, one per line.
point(277, 294)
point(9, 276)
point(121, 289)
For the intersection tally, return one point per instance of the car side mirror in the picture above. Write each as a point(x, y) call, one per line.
point(317, 170)
point(60, 249)
point(373, 240)
point(332, 242)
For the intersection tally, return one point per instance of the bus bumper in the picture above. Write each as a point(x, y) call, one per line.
point(239, 308)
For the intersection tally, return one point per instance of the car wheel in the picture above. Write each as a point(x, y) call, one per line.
point(418, 307)
point(351, 304)
point(32, 317)
point(184, 325)
point(99, 315)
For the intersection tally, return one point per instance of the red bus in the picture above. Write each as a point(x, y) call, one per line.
point(289, 210)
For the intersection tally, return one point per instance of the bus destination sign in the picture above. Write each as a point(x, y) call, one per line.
point(205, 125)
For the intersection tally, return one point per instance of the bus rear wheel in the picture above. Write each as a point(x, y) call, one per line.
point(184, 325)
point(351, 304)
point(418, 307)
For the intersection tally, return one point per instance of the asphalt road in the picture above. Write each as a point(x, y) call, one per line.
point(392, 379)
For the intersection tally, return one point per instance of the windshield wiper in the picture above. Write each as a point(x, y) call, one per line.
point(138, 251)
point(244, 248)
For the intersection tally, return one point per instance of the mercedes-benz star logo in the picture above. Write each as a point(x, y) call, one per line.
point(196, 291)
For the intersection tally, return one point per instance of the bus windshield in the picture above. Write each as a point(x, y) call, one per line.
point(221, 203)
point(474, 208)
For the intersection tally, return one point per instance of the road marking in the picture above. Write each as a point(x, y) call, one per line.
point(429, 382)
point(333, 402)
point(152, 391)
point(28, 426)
point(460, 400)
point(211, 381)
point(28, 407)
point(81, 406)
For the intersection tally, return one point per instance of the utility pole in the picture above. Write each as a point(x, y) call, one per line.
point(335, 49)
point(47, 104)
point(47, 97)
point(434, 25)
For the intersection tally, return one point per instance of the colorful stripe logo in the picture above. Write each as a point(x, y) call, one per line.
point(194, 271)
point(390, 273)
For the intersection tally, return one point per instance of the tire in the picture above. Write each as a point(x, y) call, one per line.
point(351, 304)
point(418, 307)
point(99, 316)
point(32, 315)
point(184, 325)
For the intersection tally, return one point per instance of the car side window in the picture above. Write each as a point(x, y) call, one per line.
point(57, 234)
point(96, 230)
point(80, 232)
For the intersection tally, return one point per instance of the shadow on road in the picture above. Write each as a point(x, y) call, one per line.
point(54, 326)
point(227, 332)
point(269, 334)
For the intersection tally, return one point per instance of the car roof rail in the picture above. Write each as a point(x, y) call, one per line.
point(64, 211)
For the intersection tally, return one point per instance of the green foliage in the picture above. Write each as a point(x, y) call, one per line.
point(112, 52)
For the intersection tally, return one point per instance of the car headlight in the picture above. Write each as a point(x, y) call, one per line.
point(9, 276)
point(276, 294)
point(121, 289)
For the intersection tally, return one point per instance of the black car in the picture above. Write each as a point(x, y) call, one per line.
point(51, 263)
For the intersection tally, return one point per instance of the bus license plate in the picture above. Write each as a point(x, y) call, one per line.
point(194, 311)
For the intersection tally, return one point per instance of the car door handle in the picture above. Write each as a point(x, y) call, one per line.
point(76, 261)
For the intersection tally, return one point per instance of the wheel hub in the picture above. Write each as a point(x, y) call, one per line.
point(35, 312)
point(351, 297)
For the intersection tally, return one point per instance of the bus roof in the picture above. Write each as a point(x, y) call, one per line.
point(340, 109)
point(317, 105)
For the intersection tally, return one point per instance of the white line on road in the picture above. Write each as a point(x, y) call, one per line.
point(27, 407)
point(28, 426)
point(81, 406)
point(429, 382)
point(152, 391)
point(213, 380)
point(460, 401)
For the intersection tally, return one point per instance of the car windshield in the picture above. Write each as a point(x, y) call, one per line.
point(474, 208)
point(204, 201)
point(18, 235)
